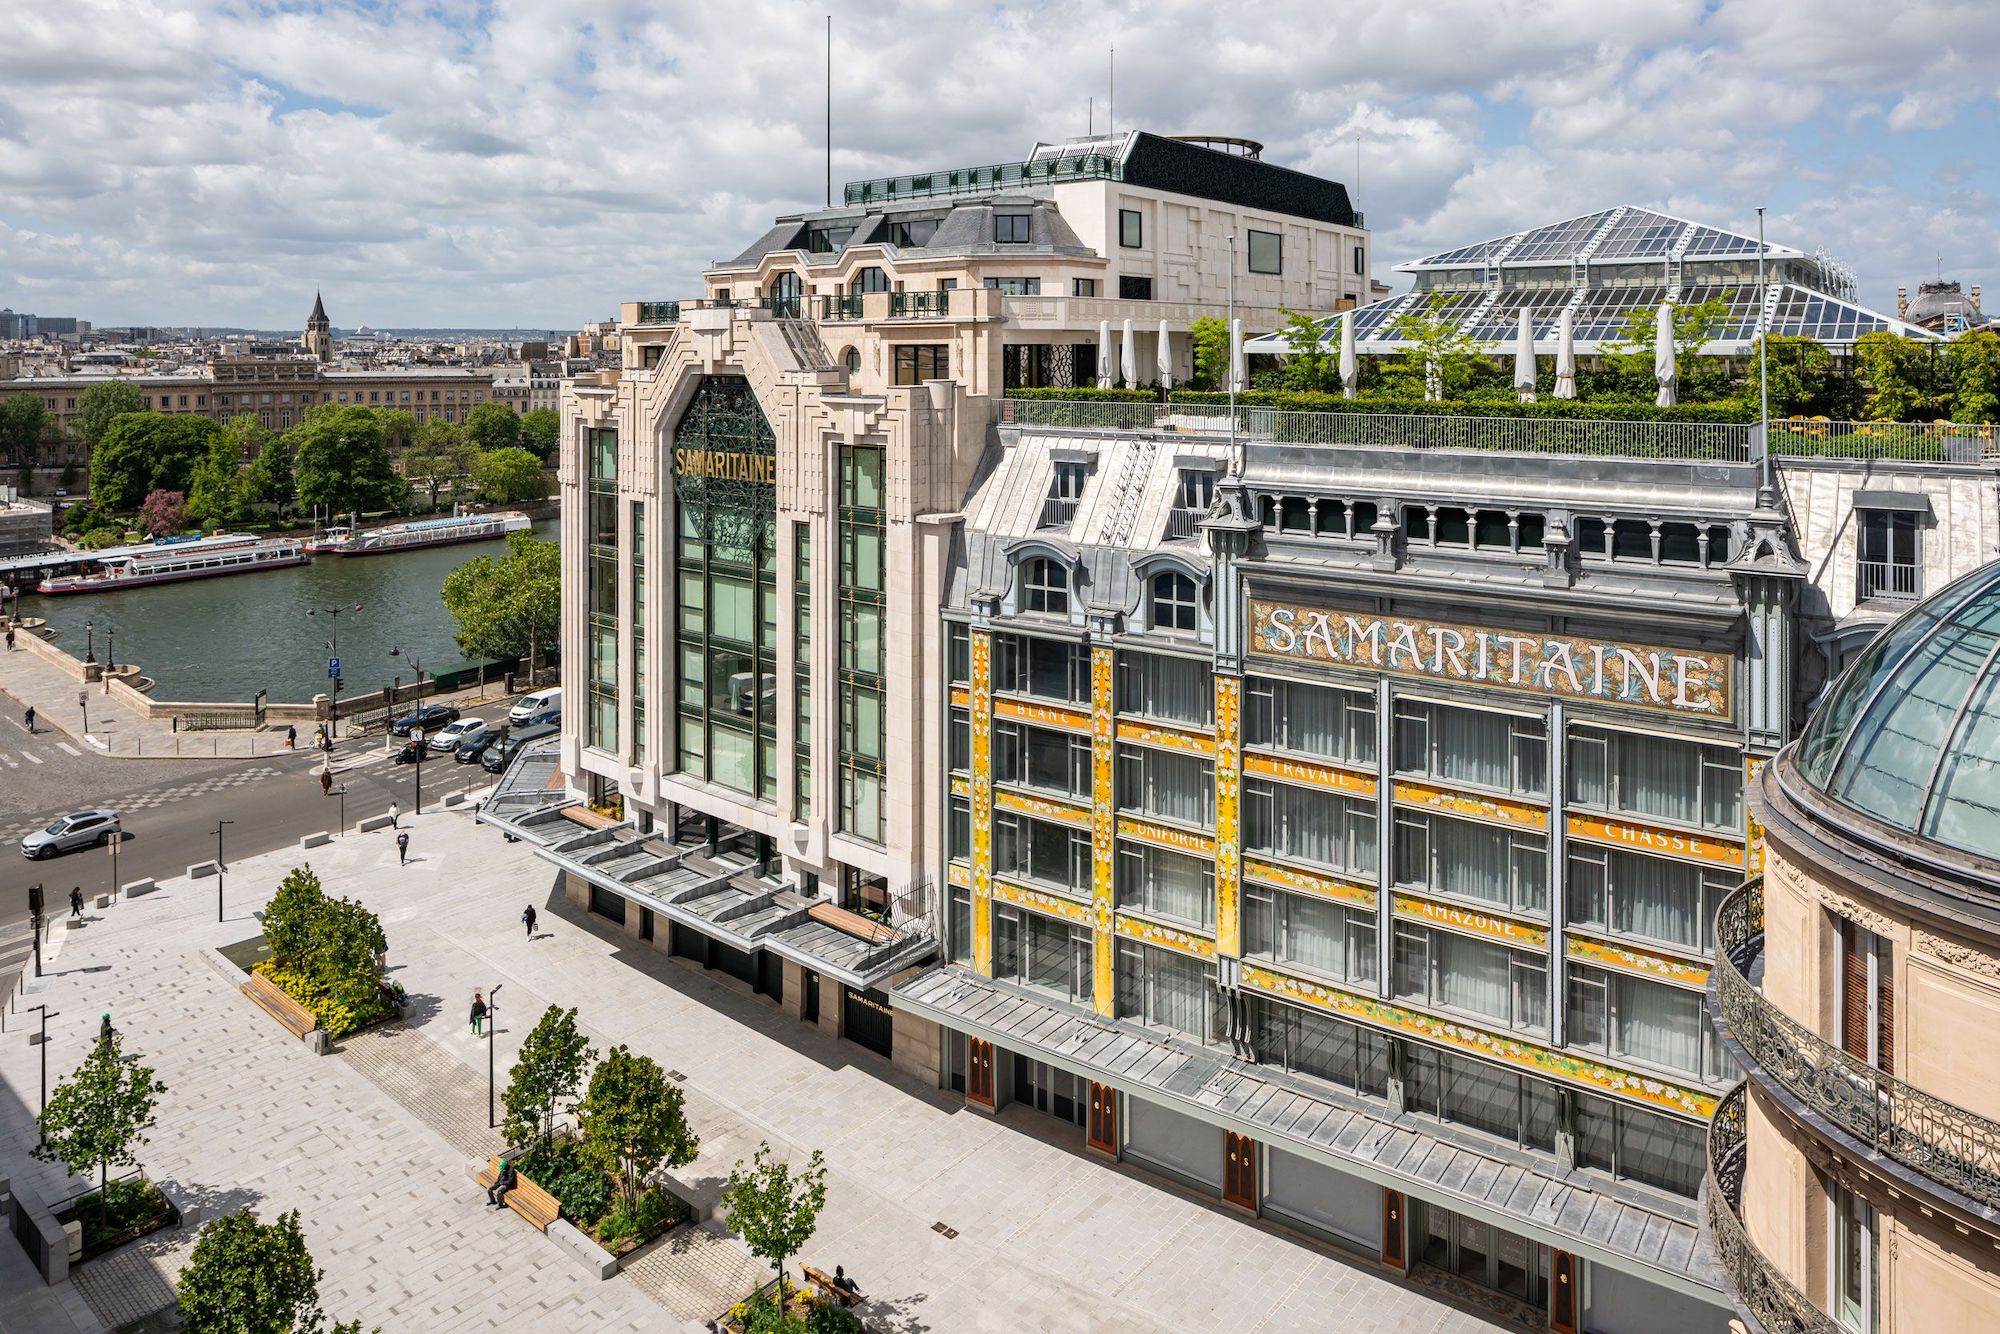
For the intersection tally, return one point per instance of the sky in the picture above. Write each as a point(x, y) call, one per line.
point(534, 162)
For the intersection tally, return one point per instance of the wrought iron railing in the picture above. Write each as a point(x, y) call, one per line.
point(1059, 511)
point(1912, 442)
point(1184, 523)
point(920, 303)
point(970, 180)
point(1939, 1140)
point(1762, 1290)
point(1888, 581)
point(837, 307)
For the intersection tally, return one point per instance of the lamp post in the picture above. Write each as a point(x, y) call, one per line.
point(492, 1023)
point(341, 792)
point(417, 734)
point(110, 657)
point(333, 651)
point(116, 839)
point(218, 866)
point(416, 670)
point(42, 1041)
point(89, 641)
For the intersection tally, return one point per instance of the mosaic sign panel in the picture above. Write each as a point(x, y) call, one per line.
point(1632, 959)
point(1472, 805)
point(1307, 882)
point(1651, 838)
point(1042, 808)
point(1646, 676)
point(1048, 715)
point(1228, 812)
point(1168, 738)
point(982, 802)
point(1042, 900)
point(1103, 825)
point(1167, 937)
point(1472, 922)
point(1307, 773)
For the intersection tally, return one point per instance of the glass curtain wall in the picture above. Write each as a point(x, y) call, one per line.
point(801, 671)
point(1043, 952)
point(863, 588)
point(601, 722)
point(1166, 884)
point(1330, 938)
point(1167, 990)
point(637, 522)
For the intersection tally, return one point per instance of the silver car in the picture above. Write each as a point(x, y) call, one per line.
point(79, 829)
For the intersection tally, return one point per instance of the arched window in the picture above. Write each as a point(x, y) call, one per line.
point(786, 291)
point(870, 279)
point(852, 360)
point(1174, 601)
point(1044, 586)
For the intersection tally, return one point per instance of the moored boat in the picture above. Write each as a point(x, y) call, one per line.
point(348, 540)
point(173, 562)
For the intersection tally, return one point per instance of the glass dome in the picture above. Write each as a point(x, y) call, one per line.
point(1911, 732)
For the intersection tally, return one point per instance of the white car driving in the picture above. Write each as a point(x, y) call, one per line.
point(453, 735)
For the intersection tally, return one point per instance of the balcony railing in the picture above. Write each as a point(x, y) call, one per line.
point(979, 180)
point(1956, 1148)
point(1888, 582)
point(837, 307)
point(913, 304)
point(1765, 1293)
point(659, 312)
point(1184, 523)
point(1910, 442)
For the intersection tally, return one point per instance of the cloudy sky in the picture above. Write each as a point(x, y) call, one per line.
point(533, 162)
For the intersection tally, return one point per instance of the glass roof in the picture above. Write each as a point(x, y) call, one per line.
point(1624, 233)
point(1911, 733)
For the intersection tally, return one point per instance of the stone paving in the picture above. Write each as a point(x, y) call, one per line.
point(373, 1144)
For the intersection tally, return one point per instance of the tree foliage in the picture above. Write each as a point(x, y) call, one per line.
point(341, 461)
point(541, 431)
point(23, 422)
point(1902, 375)
point(1694, 326)
point(162, 513)
point(98, 405)
point(772, 1208)
point(1308, 365)
point(218, 492)
point(142, 452)
point(246, 1277)
point(399, 426)
point(332, 943)
point(547, 1074)
point(1975, 377)
point(507, 606)
point(1210, 335)
point(634, 1120)
point(1441, 356)
point(270, 475)
point(98, 1117)
point(437, 458)
point(504, 476)
point(492, 426)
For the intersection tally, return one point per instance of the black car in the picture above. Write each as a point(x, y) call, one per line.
point(496, 757)
point(430, 717)
point(470, 752)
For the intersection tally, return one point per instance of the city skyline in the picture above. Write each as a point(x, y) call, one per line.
point(208, 162)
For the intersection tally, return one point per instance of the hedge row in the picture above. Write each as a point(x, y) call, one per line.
point(1730, 411)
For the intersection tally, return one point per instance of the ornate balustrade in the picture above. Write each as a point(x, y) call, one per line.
point(1765, 1293)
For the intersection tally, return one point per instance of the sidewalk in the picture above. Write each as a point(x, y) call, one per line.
point(372, 1144)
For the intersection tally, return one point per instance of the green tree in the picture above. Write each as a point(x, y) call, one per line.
point(23, 422)
point(548, 1072)
point(492, 426)
point(1308, 365)
point(246, 1277)
point(341, 462)
point(437, 458)
point(290, 915)
point(1902, 377)
point(541, 431)
point(1210, 335)
point(399, 427)
point(97, 539)
point(218, 493)
point(270, 475)
point(507, 606)
point(163, 513)
point(504, 476)
point(774, 1210)
point(332, 943)
point(1440, 354)
point(634, 1120)
point(143, 452)
point(98, 1117)
point(1694, 327)
point(1975, 377)
point(98, 405)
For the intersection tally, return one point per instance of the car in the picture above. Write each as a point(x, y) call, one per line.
point(78, 829)
point(540, 701)
point(455, 734)
point(496, 757)
point(470, 751)
point(546, 718)
point(430, 718)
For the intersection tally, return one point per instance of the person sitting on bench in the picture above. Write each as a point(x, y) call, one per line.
point(503, 1181)
point(841, 1280)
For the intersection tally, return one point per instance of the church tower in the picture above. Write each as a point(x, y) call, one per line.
point(319, 332)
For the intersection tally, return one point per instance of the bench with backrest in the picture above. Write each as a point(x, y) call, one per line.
point(526, 1198)
point(824, 1282)
point(279, 1006)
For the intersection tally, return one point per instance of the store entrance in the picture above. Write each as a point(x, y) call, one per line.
point(1057, 1092)
point(1481, 1253)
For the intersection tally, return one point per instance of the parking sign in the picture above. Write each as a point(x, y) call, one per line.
point(332, 668)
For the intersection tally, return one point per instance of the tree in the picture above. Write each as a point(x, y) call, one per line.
point(1801, 373)
point(1975, 377)
point(246, 1277)
point(98, 1117)
point(97, 406)
point(163, 513)
point(270, 475)
point(1694, 326)
point(144, 452)
point(1902, 377)
point(437, 458)
point(548, 1071)
point(774, 1211)
point(492, 426)
point(23, 422)
point(507, 475)
point(634, 1120)
point(218, 493)
point(342, 462)
point(399, 427)
point(1308, 365)
point(1440, 353)
point(541, 431)
point(507, 606)
point(331, 943)
point(1210, 335)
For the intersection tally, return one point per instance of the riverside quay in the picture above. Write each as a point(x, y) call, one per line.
point(1326, 812)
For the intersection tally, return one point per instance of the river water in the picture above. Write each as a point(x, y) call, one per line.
point(228, 638)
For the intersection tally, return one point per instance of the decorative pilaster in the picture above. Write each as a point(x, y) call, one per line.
point(982, 802)
point(1103, 829)
point(1228, 813)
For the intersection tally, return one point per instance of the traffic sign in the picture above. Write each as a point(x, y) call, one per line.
point(332, 667)
point(82, 698)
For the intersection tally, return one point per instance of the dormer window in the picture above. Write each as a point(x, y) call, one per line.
point(1044, 587)
point(1173, 602)
point(870, 279)
point(1193, 494)
point(1065, 491)
point(1011, 228)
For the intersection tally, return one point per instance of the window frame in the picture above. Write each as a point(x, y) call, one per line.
point(1013, 228)
point(1276, 248)
point(1131, 229)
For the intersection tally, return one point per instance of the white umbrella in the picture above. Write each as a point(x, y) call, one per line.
point(1566, 357)
point(1128, 359)
point(1165, 359)
point(1237, 379)
point(1350, 366)
point(1104, 368)
point(1524, 356)
point(1663, 356)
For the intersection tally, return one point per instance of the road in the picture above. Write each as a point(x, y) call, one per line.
point(169, 810)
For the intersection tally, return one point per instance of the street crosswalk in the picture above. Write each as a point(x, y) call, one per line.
point(25, 752)
point(17, 946)
point(146, 801)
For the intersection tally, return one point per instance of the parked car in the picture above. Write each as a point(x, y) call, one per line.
point(470, 751)
point(430, 717)
point(541, 701)
point(79, 829)
point(496, 757)
point(455, 734)
point(546, 718)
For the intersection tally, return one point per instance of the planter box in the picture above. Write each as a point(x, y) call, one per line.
point(167, 1216)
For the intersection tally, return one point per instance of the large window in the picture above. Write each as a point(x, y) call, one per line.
point(1309, 932)
point(1633, 1144)
point(1173, 603)
point(1301, 824)
point(1016, 286)
point(1135, 287)
point(1266, 252)
point(958, 831)
point(1043, 952)
point(1667, 902)
point(1131, 228)
point(1337, 725)
point(1044, 668)
point(1036, 757)
point(918, 362)
point(787, 289)
point(1519, 1109)
point(1495, 750)
point(1167, 784)
point(1890, 553)
point(1041, 850)
point(863, 698)
point(1162, 989)
point(916, 232)
point(1634, 1019)
point(958, 923)
point(1166, 884)
point(1508, 868)
point(601, 595)
point(1319, 1045)
point(1013, 228)
point(1656, 777)
point(1446, 971)
point(801, 671)
point(1044, 586)
point(870, 279)
point(1854, 1264)
point(1175, 690)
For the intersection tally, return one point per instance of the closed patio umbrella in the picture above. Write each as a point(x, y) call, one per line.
point(1566, 357)
point(1524, 356)
point(1664, 369)
point(1128, 359)
point(1105, 370)
point(1165, 359)
point(1350, 365)
point(1237, 379)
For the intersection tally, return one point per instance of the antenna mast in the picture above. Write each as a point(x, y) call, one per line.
point(829, 111)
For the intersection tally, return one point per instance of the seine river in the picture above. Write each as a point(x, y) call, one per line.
point(228, 638)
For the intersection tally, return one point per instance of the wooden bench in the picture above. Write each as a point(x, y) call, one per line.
point(853, 923)
point(274, 1002)
point(588, 818)
point(824, 1282)
point(525, 1198)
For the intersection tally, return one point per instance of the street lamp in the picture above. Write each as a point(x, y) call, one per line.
point(89, 630)
point(42, 1041)
point(492, 1023)
point(341, 792)
point(333, 652)
point(218, 866)
point(416, 669)
point(417, 734)
point(110, 658)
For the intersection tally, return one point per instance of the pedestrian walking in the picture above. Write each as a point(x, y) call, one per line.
point(326, 782)
point(10, 639)
point(105, 1030)
point(394, 812)
point(528, 916)
point(478, 1012)
point(76, 902)
point(31, 720)
point(292, 738)
point(402, 847)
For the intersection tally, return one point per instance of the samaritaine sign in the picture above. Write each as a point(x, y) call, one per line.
point(1647, 676)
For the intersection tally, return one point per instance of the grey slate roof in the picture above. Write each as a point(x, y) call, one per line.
point(964, 228)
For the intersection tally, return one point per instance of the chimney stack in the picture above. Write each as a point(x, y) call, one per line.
point(1902, 302)
point(1975, 296)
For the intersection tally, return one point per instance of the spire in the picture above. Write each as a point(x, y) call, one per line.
point(319, 310)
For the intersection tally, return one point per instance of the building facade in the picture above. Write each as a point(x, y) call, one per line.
point(1854, 1178)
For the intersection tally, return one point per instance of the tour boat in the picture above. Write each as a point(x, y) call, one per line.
point(170, 562)
point(349, 540)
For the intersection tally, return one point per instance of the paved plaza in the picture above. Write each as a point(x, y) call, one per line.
point(372, 1143)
